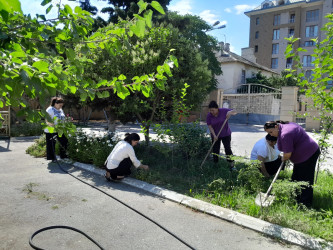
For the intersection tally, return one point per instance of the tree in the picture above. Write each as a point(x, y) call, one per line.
point(142, 54)
point(29, 69)
point(195, 29)
point(127, 8)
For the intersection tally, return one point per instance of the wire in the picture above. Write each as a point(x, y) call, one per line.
point(123, 203)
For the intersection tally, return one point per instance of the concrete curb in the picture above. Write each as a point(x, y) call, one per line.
point(276, 231)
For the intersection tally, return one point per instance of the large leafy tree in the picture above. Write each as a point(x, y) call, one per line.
point(127, 8)
point(142, 54)
point(195, 29)
point(29, 69)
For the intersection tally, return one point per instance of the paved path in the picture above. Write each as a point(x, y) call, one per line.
point(58, 199)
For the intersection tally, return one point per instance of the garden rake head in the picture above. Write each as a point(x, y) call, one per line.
point(264, 200)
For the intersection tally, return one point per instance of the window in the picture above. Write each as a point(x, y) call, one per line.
point(309, 43)
point(289, 63)
point(312, 16)
point(256, 48)
point(291, 32)
point(274, 63)
point(275, 48)
point(276, 20)
point(265, 6)
point(311, 31)
point(257, 35)
point(292, 18)
point(308, 74)
point(307, 61)
point(276, 34)
point(257, 20)
point(243, 77)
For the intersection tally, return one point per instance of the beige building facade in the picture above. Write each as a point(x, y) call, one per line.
point(274, 20)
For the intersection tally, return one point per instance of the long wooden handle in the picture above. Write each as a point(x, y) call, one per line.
point(275, 177)
point(214, 142)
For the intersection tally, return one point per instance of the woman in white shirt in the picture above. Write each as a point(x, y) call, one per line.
point(266, 152)
point(119, 162)
point(56, 113)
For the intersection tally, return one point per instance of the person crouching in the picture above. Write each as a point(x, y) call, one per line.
point(119, 162)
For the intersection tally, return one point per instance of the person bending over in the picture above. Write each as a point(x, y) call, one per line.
point(298, 147)
point(215, 120)
point(119, 162)
point(265, 150)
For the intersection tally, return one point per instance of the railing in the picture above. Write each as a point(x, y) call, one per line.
point(5, 128)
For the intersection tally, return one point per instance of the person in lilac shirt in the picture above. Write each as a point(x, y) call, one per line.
point(215, 120)
point(298, 147)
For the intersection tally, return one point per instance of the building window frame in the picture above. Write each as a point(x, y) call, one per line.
point(291, 32)
point(292, 18)
point(311, 31)
point(312, 16)
point(274, 63)
point(276, 34)
point(243, 77)
point(308, 61)
point(256, 48)
point(309, 44)
point(256, 35)
point(277, 20)
point(289, 63)
point(257, 21)
point(275, 48)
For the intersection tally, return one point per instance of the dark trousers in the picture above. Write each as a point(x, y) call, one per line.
point(51, 139)
point(227, 148)
point(305, 171)
point(273, 166)
point(123, 169)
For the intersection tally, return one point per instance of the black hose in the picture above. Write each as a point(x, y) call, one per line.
point(133, 209)
point(65, 227)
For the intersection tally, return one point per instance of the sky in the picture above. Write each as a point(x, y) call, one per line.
point(228, 12)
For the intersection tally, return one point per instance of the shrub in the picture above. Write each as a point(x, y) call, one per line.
point(91, 148)
point(26, 129)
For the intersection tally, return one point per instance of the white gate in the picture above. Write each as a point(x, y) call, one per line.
point(254, 103)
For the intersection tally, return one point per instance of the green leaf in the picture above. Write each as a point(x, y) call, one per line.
point(156, 5)
point(68, 9)
point(106, 94)
point(174, 59)
point(142, 6)
point(49, 9)
point(83, 96)
point(122, 77)
point(18, 54)
point(72, 89)
point(148, 17)
point(10, 6)
point(139, 28)
point(45, 2)
point(41, 66)
point(78, 9)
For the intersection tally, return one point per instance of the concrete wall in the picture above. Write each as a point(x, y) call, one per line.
point(289, 104)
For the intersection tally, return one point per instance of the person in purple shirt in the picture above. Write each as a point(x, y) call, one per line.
point(298, 147)
point(215, 120)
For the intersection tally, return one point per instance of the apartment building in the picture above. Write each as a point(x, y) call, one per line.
point(274, 20)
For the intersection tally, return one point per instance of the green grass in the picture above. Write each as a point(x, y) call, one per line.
point(214, 183)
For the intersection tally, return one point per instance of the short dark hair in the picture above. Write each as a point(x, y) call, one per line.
point(213, 105)
point(271, 138)
point(131, 137)
point(55, 100)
